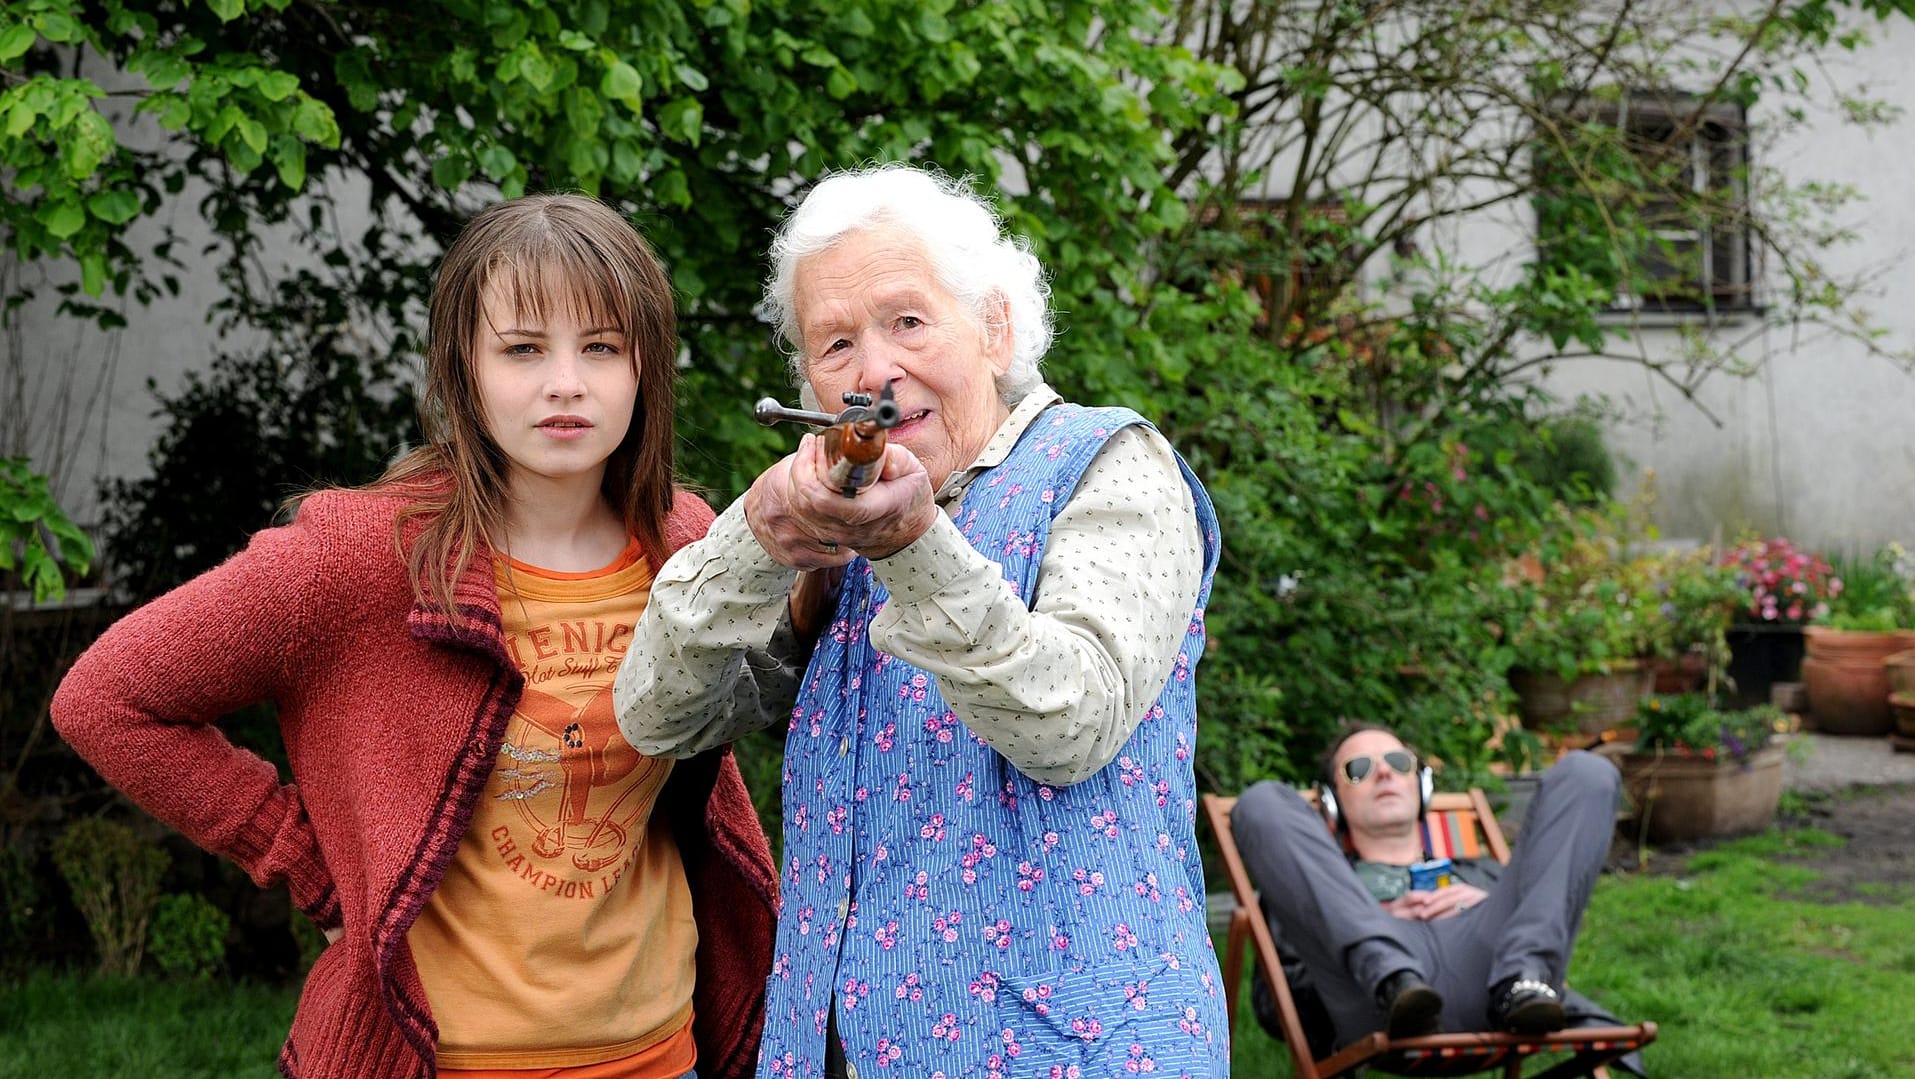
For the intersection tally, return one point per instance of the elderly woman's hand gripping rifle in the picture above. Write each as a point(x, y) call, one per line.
point(807, 511)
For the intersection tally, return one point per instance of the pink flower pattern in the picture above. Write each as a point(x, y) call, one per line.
point(1011, 928)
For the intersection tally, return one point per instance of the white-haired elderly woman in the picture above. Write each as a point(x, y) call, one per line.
point(989, 810)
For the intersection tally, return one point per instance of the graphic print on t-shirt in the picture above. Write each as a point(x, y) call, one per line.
point(579, 794)
point(562, 757)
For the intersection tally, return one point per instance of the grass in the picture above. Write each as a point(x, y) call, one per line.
point(84, 1025)
point(1744, 980)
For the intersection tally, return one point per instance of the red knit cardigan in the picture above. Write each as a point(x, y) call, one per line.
point(392, 715)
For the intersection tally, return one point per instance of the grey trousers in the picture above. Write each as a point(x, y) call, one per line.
point(1526, 928)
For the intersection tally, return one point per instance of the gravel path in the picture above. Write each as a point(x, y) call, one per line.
point(1831, 763)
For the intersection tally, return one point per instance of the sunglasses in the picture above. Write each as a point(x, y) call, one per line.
point(1358, 769)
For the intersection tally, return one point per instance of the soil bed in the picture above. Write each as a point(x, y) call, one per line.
point(1875, 863)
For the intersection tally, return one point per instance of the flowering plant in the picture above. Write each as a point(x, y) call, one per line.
point(1584, 605)
point(1697, 597)
point(1782, 584)
point(1878, 593)
point(1688, 725)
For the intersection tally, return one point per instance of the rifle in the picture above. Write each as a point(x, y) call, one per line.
point(854, 438)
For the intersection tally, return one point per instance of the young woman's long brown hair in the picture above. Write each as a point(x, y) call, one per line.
point(541, 251)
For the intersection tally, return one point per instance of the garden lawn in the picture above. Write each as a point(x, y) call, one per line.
point(1744, 978)
point(1747, 980)
point(84, 1026)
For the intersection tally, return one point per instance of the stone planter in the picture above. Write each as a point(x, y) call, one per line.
point(1684, 797)
point(1847, 675)
point(1760, 655)
point(1589, 704)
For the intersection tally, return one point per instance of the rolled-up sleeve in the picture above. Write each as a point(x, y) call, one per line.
point(1058, 687)
point(713, 657)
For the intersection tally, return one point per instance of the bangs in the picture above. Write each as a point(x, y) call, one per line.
point(555, 278)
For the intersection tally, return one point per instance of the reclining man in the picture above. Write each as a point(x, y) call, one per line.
point(1492, 945)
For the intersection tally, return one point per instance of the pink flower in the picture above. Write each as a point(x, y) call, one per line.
point(1784, 584)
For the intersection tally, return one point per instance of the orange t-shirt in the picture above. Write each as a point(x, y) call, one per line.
point(562, 934)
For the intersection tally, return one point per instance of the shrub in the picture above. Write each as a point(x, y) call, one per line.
point(1360, 564)
point(250, 431)
point(115, 879)
point(188, 937)
point(1697, 598)
point(1569, 458)
point(1586, 603)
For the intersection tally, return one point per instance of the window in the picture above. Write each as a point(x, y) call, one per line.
point(1671, 177)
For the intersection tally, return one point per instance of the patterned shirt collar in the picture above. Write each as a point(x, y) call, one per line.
point(999, 447)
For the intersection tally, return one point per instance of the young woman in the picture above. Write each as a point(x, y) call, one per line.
point(508, 886)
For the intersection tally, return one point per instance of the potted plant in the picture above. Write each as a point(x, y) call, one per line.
point(1586, 617)
point(1698, 771)
point(1868, 621)
point(1697, 597)
point(1783, 588)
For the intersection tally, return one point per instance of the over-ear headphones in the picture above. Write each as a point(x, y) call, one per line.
point(1327, 796)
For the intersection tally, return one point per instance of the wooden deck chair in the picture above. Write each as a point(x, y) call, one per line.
point(1458, 826)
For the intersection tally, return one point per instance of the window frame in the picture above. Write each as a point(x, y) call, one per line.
point(1718, 144)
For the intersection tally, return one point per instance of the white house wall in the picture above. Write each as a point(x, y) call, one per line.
point(1820, 445)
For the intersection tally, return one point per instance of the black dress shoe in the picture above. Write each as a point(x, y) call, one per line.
point(1525, 1006)
point(1413, 1008)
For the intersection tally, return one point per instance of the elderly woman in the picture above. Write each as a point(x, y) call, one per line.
point(988, 812)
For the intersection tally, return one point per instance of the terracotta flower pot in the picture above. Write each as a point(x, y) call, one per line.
point(1847, 676)
point(1685, 797)
point(1589, 704)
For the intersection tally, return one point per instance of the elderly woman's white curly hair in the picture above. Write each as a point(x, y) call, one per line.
point(961, 236)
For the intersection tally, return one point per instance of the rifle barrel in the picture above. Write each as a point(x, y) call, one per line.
point(768, 411)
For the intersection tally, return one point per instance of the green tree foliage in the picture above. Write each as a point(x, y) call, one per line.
point(29, 517)
point(702, 120)
point(75, 184)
